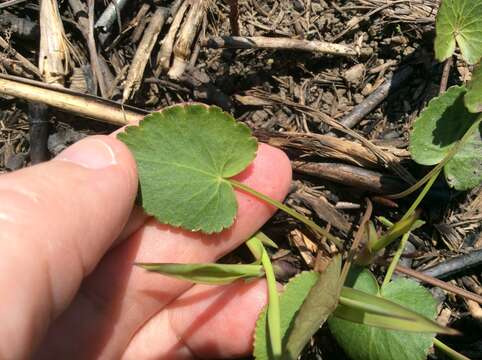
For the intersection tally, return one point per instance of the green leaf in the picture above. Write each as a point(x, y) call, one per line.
point(363, 342)
point(319, 304)
point(444, 122)
point(184, 156)
point(206, 273)
point(473, 98)
point(459, 21)
point(290, 301)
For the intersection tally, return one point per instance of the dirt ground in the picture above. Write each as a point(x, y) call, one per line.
point(288, 97)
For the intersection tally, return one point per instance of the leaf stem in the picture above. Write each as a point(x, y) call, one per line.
point(396, 258)
point(422, 194)
point(310, 223)
point(447, 350)
point(273, 311)
point(406, 222)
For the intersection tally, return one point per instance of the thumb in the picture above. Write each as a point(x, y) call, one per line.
point(57, 220)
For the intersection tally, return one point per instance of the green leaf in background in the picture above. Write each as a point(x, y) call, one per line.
point(184, 156)
point(206, 273)
point(473, 97)
point(443, 122)
point(459, 21)
point(290, 301)
point(318, 305)
point(363, 342)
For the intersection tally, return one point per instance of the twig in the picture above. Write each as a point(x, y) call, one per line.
point(385, 158)
point(187, 35)
point(234, 17)
point(445, 75)
point(85, 21)
point(8, 3)
point(322, 145)
point(94, 60)
point(109, 16)
point(455, 265)
point(261, 42)
point(70, 101)
point(359, 178)
point(143, 53)
point(439, 283)
point(323, 209)
point(165, 53)
point(139, 23)
point(375, 98)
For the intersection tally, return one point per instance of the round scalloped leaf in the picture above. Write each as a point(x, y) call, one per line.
point(291, 300)
point(459, 21)
point(443, 122)
point(184, 156)
point(473, 98)
point(362, 342)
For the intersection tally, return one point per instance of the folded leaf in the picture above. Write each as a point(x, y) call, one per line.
point(205, 273)
point(318, 305)
point(290, 301)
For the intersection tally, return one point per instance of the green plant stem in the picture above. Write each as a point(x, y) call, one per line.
point(310, 223)
point(451, 353)
point(407, 220)
point(396, 258)
point(441, 164)
point(422, 194)
point(273, 312)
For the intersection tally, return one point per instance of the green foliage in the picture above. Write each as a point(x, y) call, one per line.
point(290, 301)
point(473, 97)
point(184, 156)
point(318, 305)
point(206, 273)
point(439, 127)
point(459, 21)
point(363, 342)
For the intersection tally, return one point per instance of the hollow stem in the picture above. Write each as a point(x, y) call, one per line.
point(310, 223)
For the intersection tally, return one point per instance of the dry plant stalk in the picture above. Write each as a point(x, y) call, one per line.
point(262, 42)
point(187, 35)
point(54, 55)
point(143, 53)
point(164, 57)
point(69, 101)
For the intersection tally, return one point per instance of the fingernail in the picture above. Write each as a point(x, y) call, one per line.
point(91, 153)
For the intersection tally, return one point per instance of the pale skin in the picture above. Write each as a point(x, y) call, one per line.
point(69, 237)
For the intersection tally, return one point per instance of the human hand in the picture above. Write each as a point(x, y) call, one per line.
point(69, 237)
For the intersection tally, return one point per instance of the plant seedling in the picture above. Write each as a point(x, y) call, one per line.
point(186, 156)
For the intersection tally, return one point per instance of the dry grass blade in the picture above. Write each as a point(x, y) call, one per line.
point(143, 53)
